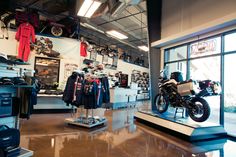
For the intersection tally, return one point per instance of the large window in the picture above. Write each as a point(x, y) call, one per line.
point(202, 63)
point(205, 62)
point(229, 84)
point(174, 54)
point(230, 94)
point(173, 58)
point(230, 42)
point(176, 66)
point(208, 69)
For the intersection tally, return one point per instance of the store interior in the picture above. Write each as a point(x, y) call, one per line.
point(117, 78)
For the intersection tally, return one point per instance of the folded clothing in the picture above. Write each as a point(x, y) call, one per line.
point(12, 81)
point(6, 81)
point(19, 81)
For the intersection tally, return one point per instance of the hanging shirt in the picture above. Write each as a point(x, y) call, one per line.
point(3, 31)
point(24, 33)
point(83, 49)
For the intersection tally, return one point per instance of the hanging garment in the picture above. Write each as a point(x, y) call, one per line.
point(73, 90)
point(83, 49)
point(26, 106)
point(77, 98)
point(99, 94)
point(105, 90)
point(68, 94)
point(23, 34)
point(90, 90)
point(3, 31)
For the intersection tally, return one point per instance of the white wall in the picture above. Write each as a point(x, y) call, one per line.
point(182, 15)
point(70, 53)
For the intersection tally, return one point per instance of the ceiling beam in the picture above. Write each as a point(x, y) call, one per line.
point(138, 40)
point(135, 19)
point(136, 29)
point(109, 21)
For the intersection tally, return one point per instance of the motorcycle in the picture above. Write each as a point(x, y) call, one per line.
point(188, 94)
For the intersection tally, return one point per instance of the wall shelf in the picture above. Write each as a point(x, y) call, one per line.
point(16, 86)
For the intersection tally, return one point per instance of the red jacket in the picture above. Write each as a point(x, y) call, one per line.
point(23, 34)
point(83, 49)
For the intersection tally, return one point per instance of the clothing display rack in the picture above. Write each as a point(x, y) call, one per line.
point(87, 94)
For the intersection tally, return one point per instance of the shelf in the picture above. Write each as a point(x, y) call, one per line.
point(49, 95)
point(46, 57)
point(56, 65)
point(16, 86)
point(9, 62)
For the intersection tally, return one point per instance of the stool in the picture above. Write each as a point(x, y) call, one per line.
point(179, 110)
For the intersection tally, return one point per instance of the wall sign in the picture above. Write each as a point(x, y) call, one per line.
point(202, 47)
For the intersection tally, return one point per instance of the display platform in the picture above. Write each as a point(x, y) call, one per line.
point(196, 148)
point(189, 130)
point(87, 123)
point(25, 153)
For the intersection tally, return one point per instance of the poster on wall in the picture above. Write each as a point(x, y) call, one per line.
point(44, 46)
point(68, 69)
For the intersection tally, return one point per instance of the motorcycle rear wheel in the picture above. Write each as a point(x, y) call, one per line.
point(161, 103)
point(200, 111)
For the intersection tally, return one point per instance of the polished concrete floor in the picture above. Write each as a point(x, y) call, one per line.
point(48, 136)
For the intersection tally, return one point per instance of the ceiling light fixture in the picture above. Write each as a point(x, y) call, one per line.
point(144, 48)
point(92, 27)
point(88, 8)
point(117, 34)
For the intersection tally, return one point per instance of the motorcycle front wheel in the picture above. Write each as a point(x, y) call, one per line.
point(200, 110)
point(161, 103)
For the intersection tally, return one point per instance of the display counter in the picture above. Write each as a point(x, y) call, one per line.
point(50, 102)
point(121, 96)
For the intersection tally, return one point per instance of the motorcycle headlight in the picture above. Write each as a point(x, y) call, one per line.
point(217, 89)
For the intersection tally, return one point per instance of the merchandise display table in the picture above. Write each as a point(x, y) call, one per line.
point(50, 102)
point(121, 96)
point(191, 131)
point(86, 122)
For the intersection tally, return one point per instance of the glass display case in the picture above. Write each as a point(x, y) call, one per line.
point(47, 72)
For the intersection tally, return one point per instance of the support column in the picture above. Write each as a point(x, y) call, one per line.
point(154, 67)
point(154, 9)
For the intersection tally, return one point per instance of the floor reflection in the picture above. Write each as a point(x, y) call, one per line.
point(48, 136)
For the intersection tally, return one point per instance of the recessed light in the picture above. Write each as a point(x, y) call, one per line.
point(117, 34)
point(144, 48)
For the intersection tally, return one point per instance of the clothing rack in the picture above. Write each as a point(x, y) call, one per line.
point(86, 120)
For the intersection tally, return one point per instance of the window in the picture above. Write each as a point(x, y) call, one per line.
point(208, 69)
point(205, 47)
point(230, 42)
point(204, 62)
point(230, 94)
point(175, 54)
point(177, 66)
point(205, 68)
